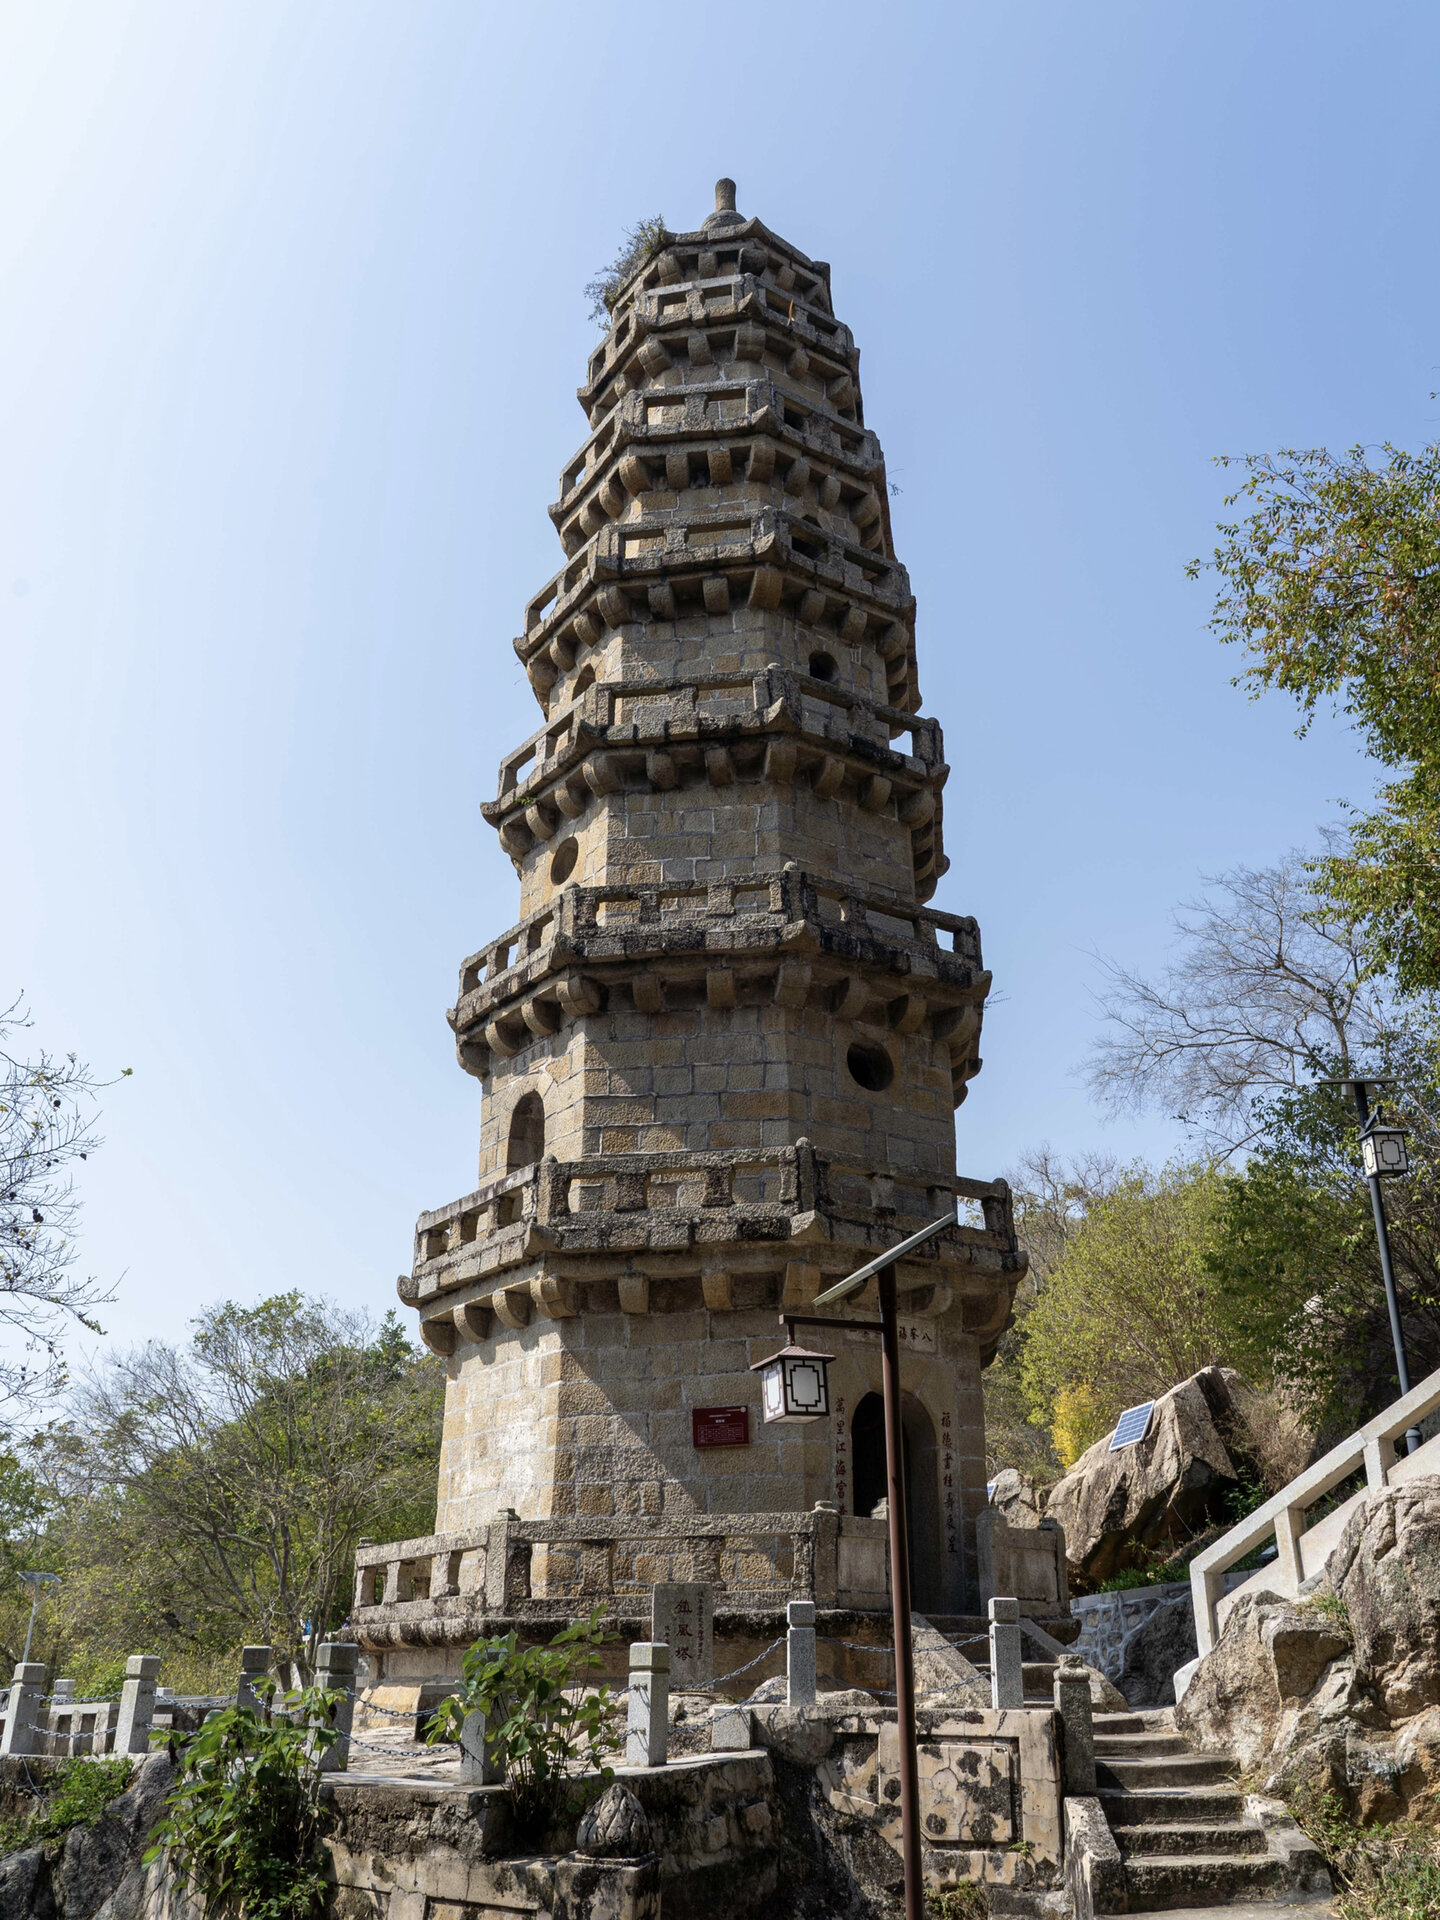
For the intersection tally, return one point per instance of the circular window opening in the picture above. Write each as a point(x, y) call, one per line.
point(870, 1067)
point(563, 865)
point(822, 666)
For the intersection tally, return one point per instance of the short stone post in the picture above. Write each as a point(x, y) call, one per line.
point(479, 1763)
point(335, 1672)
point(1075, 1713)
point(254, 1665)
point(137, 1704)
point(648, 1722)
point(1007, 1674)
point(27, 1690)
point(800, 1654)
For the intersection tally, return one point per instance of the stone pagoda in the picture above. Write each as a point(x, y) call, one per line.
point(721, 1048)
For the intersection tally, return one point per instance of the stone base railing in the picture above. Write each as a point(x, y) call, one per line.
point(756, 1561)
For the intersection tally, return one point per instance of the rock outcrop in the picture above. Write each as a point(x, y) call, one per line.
point(1016, 1496)
point(1339, 1693)
point(1119, 1508)
point(95, 1872)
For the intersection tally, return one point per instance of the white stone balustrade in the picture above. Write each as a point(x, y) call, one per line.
point(1301, 1550)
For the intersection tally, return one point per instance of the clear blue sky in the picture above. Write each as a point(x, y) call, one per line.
point(291, 326)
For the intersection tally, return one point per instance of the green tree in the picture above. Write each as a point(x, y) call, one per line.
point(1131, 1307)
point(217, 1491)
point(1332, 581)
point(1052, 1197)
point(1294, 1255)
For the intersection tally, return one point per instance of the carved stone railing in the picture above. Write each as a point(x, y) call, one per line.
point(754, 1561)
point(623, 1201)
point(1302, 1550)
point(808, 938)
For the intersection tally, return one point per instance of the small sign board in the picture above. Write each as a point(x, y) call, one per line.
point(917, 1335)
point(682, 1614)
point(1132, 1425)
point(720, 1426)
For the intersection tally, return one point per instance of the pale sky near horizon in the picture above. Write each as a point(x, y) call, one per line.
point(290, 330)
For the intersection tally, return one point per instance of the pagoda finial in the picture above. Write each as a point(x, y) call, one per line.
point(724, 214)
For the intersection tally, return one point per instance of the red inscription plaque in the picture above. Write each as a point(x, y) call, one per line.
point(720, 1426)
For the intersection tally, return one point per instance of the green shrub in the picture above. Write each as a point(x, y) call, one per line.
point(1383, 1873)
point(243, 1823)
point(80, 1792)
point(541, 1724)
point(642, 240)
point(964, 1902)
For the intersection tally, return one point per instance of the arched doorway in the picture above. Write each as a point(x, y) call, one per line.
point(922, 1487)
point(527, 1132)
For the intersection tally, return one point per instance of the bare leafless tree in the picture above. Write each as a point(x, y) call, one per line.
point(1272, 986)
point(48, 1111)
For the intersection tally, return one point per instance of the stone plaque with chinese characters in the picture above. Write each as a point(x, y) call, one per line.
point(682, 1615)
point(915, 1336)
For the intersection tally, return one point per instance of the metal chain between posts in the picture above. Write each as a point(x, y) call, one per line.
point(709, 1686)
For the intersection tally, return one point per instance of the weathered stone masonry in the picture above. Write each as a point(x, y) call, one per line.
point(721, 1049)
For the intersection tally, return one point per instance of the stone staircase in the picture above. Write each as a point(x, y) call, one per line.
point(1188, 1836)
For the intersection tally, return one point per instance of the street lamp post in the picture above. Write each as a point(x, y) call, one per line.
point(816, 1404)
point(1382, 1150)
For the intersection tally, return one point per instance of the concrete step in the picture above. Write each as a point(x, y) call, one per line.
point(1177, 1770)
point(1156, 1882)
point(1190, 1836)
point(1129, 1809)
point(1139, 1746)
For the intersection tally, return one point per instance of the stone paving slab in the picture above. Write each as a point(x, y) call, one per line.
point(1254, 1910)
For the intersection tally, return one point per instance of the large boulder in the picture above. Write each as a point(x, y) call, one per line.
point(1254, 1694)
point(25, 1890)
point(1153, 1649)
point(101, 1855)
point(1118, 1508)
point(1386, 1571)
point(1338, 1693)
point(1016, 1496)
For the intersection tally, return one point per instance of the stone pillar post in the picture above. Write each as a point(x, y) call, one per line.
point(800, 1654)
point(254, 1665)
point(1007, 1674)
point(479, 1764)
point(27, 1690)
point(137, 1703)
point(335, 1672)
point(1075, 1712)
point(647, 1724)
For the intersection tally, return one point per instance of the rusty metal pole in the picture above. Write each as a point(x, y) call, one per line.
point(900, 1599)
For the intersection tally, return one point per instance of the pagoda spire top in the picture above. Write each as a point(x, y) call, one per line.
point(724, 214)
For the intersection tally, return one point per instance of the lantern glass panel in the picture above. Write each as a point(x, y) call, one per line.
point(794, 1385)
point(1383, 1151)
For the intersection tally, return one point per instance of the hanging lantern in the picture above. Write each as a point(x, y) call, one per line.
point(1382, 1149)
point(795, 1384)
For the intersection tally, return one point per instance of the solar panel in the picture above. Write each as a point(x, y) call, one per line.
point(1132, 1425)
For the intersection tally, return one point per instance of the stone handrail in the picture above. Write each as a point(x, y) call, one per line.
point(1302, 1551)
point(539, 1198)
point(525, 952)
point(493, 1565)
